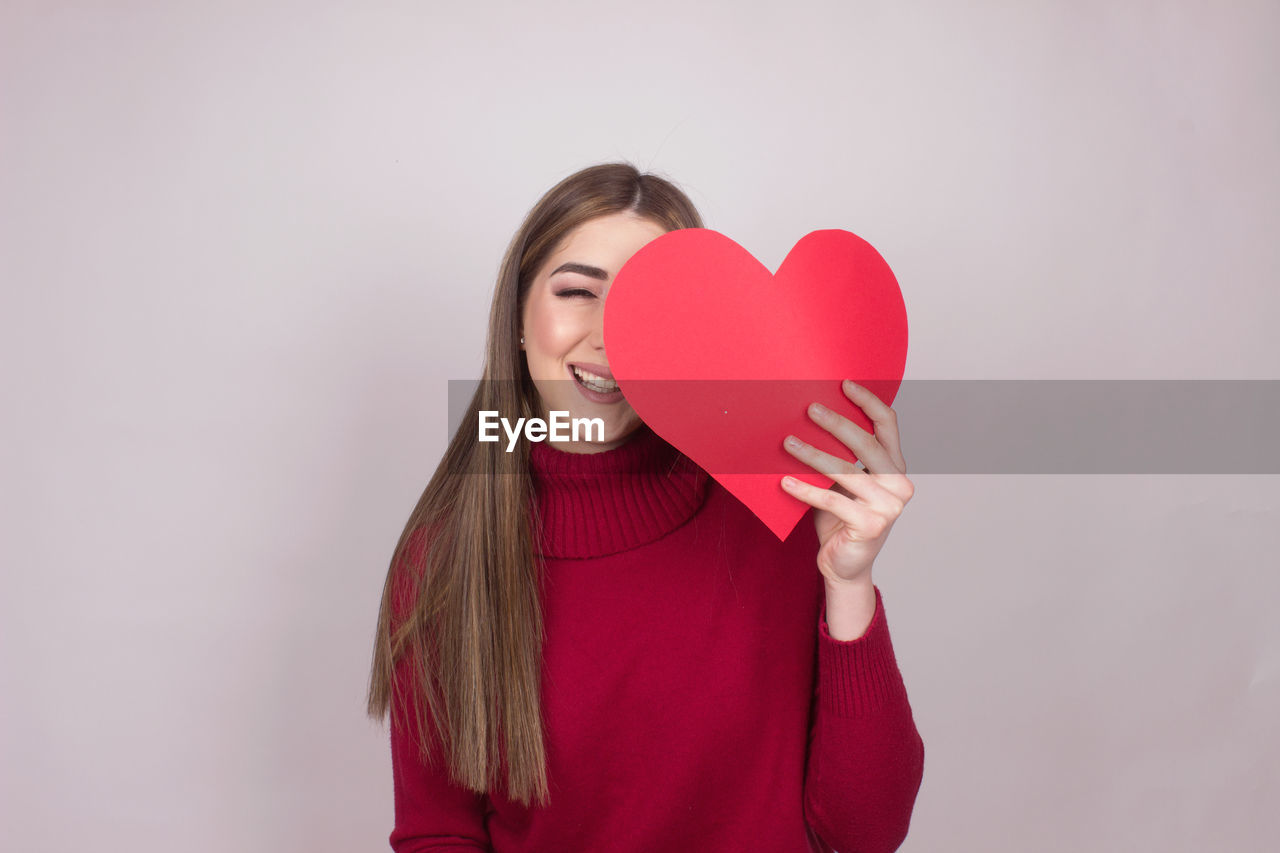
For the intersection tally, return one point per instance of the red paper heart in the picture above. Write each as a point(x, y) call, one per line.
point(721, 358)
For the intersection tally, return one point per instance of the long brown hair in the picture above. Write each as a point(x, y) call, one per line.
point(459, 638)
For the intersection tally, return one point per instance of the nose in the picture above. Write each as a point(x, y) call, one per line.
point(596, 338)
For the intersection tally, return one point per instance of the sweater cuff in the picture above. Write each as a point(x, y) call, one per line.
point(857, 677)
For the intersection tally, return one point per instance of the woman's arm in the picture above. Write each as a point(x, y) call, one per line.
point(431, 812)
point(850, 609)
point(866, 758)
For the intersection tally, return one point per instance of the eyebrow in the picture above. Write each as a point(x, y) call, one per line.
point(582, 269)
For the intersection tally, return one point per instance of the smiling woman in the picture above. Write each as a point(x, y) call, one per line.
point(592, 645)
point(562, 324)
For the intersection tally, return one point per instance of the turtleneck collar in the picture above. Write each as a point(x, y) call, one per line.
point(594, 504)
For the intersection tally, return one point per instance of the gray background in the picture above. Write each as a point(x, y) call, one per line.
point(244, 247)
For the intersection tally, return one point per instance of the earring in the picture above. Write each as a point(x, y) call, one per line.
point(522, 340)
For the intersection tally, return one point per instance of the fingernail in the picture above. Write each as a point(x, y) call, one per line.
point(818, 409)
point(850, 385)
point(793, 442)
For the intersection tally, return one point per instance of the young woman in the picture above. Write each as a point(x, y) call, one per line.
point(594, 646)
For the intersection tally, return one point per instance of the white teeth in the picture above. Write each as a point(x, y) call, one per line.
point(594, 382)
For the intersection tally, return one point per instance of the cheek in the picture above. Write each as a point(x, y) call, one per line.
point(553, 331)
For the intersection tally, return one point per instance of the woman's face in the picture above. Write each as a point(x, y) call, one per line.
point(563, 326)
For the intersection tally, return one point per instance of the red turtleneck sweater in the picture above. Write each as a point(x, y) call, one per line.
point(692, 697)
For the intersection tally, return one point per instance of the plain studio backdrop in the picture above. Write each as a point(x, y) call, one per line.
point(246, 245)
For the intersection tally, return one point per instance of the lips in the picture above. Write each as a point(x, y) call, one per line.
point(592, 394)
point(597, 369)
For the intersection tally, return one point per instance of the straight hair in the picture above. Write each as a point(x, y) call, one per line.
point(457, 654)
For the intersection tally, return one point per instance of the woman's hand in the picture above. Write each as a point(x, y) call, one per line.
point(854, 516)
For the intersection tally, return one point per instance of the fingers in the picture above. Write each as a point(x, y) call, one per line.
point(854, 437)
point(880, 454)
point(883, 418)
point(877, 492)
point(844, 508)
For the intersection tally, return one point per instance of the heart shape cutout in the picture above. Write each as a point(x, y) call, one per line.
point(721, 358)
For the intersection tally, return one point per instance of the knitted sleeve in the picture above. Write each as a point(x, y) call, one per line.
point(432, 813)
point(866, 759)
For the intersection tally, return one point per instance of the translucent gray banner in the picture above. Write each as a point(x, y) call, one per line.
point(1218, 426)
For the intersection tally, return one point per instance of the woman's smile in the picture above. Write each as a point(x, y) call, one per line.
point(596, 383)
point(562, 325)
